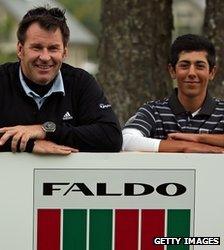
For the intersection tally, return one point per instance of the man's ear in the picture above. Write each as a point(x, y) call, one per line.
point(172, 71)
point(65, 52)
point(19, 48)
point(212, 73)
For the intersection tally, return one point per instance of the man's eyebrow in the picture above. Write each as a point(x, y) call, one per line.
point(55, 45)
point(188, 61)
point(185, 61)
point(35, 44)
point(199, 61)
point(41, 45)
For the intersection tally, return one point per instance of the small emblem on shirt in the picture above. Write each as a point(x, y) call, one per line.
point(104, 106)
point(67, 116)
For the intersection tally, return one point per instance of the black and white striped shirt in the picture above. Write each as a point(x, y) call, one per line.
point(157, 119)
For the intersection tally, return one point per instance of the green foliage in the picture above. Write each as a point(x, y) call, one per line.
point(7, 57)
point(86, 11)
point(5, 28)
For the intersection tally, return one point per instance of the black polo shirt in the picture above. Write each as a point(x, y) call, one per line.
point(84, 118)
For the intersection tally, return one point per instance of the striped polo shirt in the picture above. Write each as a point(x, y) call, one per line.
point(157, 119)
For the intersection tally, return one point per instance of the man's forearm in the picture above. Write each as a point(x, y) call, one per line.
point(212, 139)
point(97, 137)
point(188, 147)
point(7, 146)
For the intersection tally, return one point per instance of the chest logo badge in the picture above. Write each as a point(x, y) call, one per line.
point(67, 116)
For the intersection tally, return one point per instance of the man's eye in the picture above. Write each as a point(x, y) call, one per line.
point(36, 48)
point(183, 65)
point(53, 49)
point(200, 66)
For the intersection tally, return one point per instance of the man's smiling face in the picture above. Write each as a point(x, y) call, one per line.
point(192, 73)
point(42, 54)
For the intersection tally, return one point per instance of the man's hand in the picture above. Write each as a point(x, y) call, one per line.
point(184, 136)
point(21, 134)
point(48, 147)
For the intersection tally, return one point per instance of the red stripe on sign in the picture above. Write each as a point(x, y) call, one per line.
point(48, 229)
point(153, 224)
point(126, 229)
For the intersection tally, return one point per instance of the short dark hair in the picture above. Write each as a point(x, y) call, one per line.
point(191, 42)
point(48, 18)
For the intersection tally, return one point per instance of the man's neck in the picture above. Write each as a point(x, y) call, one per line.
point(192, 104)
point(39, 89)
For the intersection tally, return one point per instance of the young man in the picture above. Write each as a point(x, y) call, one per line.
point(47, 106)
point(189, 111)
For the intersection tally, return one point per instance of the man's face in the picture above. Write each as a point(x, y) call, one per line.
point(192, 74)
point(42, 54)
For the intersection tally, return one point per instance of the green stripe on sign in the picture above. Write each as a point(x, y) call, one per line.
point(74, 229)
point(100, 229)
point(178, 221)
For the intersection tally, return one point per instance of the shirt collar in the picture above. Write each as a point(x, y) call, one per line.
point(57, 87)
point(177, 108)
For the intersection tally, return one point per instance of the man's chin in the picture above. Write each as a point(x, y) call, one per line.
point(193, 94)
point(43, 81)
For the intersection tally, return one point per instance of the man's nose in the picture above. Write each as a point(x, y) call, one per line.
point(192, 70)
point(45, 55)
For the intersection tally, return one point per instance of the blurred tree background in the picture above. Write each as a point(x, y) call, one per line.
point(133, 52)
point(213, 29)
point(5, 28)
point(88, 13)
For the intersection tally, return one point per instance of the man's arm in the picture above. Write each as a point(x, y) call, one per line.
point(188, 147)
point(94, 137)
point(97, 128)
point(48, 147)
point(211, 139)
point(133, 140)
point(21, 138)
point(18, 136)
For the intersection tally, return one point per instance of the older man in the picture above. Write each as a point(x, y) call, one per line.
point(47, 106)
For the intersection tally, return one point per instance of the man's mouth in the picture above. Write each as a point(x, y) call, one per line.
point(192, 82)
point(44, 67)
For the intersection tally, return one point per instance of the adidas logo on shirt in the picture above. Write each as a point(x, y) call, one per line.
point(67, 116)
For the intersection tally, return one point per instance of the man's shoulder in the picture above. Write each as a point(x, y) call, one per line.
point(218, 100)
point(77, 78)
point(219, 103)
point(69, 70)
point(8, 68)
point(157, 103)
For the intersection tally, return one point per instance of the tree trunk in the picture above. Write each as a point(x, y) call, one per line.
point(133, 52)
point(214, 30)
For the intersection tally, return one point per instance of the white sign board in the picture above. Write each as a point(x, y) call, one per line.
point(141, 203)
point(22, 198)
